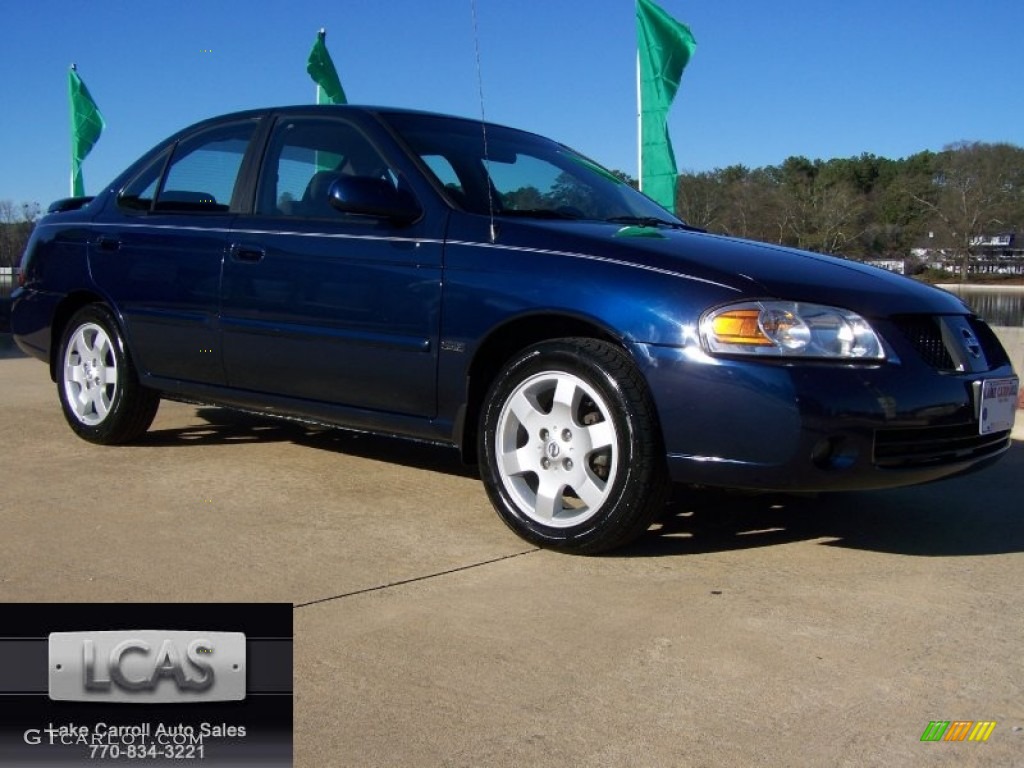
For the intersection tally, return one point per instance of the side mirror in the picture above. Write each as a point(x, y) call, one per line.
point(365, 196)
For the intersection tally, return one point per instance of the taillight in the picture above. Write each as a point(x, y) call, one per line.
point(21, 278)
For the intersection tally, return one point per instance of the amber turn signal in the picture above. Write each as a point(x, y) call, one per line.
point(739, 326)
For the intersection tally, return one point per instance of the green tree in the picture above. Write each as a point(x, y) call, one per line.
point(626, 178)
point(865, 206)
point(524, 198)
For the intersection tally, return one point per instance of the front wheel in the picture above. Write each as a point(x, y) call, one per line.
point(99, 390)
point(570, 452)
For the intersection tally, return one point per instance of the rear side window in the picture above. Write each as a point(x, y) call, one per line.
point(202, 175)
point(140, 192)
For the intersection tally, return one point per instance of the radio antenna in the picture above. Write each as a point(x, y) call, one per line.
point(483, 122)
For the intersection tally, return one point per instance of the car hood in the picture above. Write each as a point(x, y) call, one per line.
point(756, 270)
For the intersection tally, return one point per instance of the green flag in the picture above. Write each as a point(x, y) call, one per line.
point(86, 126)
point(664, 47)
point(321, 69)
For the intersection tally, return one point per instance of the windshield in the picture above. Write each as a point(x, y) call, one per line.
point(522, 174)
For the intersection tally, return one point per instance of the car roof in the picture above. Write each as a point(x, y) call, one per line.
point(340, 109)
point(336, 109)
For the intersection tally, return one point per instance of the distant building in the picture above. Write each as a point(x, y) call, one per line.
point(994, 243)
point(1001, 254)
point(893, 265)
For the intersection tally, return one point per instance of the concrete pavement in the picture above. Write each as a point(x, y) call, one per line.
point(740, 631)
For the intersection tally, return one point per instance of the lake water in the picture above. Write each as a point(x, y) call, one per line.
point(998, 306)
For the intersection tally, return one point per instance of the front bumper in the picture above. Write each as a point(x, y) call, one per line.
point(806, 426)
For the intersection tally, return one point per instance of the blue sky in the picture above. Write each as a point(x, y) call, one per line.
point(768, 80)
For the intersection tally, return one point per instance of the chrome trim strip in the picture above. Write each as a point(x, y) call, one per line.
point(421, 241)
point(591, 257)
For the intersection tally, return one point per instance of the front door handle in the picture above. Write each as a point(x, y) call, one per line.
point(108, 243)
point(248, 253)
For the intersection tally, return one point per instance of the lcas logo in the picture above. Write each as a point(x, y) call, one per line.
point(147, 665)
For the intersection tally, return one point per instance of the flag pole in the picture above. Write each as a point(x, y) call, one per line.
point(639, 129)
point(71, 180)
point(322, 34)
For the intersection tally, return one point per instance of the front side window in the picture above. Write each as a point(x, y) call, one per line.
point(305, 156)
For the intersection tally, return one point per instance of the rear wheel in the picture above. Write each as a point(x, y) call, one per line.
point(570, 452)
point(99, 390)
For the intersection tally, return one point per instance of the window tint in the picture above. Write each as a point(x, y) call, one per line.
point(204, 170)
point(305, 156)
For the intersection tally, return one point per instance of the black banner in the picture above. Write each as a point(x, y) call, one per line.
point(136, 653)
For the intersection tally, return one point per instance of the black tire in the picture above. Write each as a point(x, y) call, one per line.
point(98, 387)
point(570, 450)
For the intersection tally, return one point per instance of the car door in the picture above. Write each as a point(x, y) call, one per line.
point(159, 249)
point(324, 306)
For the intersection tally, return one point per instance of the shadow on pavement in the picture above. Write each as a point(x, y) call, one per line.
point(8, 349)
point(226, 426)
point(976, 514)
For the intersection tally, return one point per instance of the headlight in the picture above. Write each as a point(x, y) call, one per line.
point(790, 329)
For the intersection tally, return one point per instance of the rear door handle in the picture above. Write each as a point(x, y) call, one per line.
point(248, 253)
point(108, 243)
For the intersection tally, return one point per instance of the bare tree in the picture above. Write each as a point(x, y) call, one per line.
point(836, 216)
point(700, 199)
point(978, 187)
point(16, 223)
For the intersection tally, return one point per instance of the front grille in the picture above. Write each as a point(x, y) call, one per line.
point(930, 334)
point(925, 336)
point(934, 446)
point(990, 345)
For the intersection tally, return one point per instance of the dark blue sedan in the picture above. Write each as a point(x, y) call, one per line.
point(436, 278)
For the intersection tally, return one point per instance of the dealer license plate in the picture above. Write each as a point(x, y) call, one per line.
point(998, 405)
